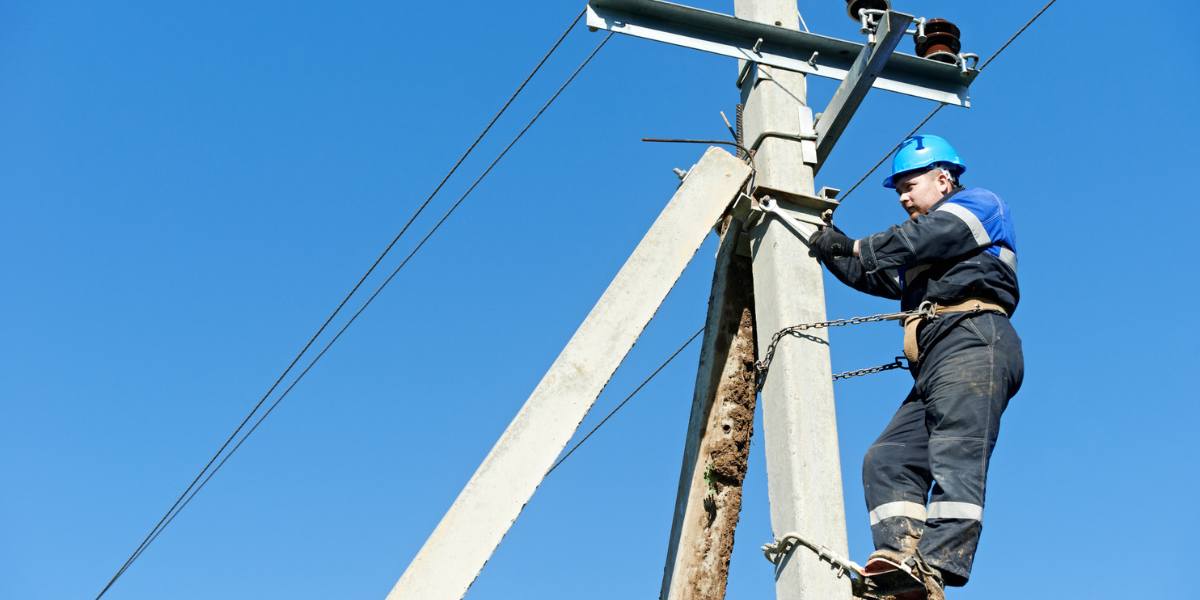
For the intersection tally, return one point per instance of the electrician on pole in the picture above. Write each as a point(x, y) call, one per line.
point(954, 260)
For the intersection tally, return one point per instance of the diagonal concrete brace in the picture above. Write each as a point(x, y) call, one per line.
point(492, 500)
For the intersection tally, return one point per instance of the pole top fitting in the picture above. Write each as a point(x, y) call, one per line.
point(854, 7)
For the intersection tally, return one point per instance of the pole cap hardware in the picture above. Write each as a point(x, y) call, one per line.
point(854, 6)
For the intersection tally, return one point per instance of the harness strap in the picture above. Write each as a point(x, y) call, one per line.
point(912, 323)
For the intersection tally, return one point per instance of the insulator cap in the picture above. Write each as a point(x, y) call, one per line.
point(854, 6)
point(941, 38)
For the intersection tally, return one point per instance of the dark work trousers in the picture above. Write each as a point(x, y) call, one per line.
point(940, 441)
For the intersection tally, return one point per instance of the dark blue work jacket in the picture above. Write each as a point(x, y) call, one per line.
point(964, 248)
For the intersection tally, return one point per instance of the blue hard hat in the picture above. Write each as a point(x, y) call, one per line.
point(921, 152)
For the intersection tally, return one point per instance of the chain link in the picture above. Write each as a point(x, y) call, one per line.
point(927, 310)
point(896, 364)
point(763, 365)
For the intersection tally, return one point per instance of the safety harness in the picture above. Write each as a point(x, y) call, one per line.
point(930, 310)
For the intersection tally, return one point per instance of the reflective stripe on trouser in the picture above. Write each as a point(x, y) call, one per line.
point(939, 443)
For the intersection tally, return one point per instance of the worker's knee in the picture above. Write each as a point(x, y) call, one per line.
point(894, 471)
point(880, 456)
point(960, 466)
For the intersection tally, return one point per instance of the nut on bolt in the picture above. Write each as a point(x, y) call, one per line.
point(854, 6)
point(942, 41)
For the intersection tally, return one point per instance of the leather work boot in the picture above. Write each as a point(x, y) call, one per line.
point(934, 590)
point(929, 576)
point(891, 575)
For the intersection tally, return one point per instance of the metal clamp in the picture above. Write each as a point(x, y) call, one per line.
point(869, 18)
point(969, 56)
point(778, 550)
point(918, 31)
point(783, 135)
point(806, 136)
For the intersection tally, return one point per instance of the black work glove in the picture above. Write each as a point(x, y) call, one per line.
point(829, 242)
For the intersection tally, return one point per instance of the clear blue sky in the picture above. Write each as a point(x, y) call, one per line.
point(189, 188)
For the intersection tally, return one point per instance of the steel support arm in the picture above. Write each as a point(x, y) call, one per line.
point(859, 79)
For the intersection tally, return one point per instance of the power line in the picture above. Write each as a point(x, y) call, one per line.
point(201, 479)
point(622, 404)
point(1016, 35)
point(939, 107)
point(933, 113)
point(383, 285)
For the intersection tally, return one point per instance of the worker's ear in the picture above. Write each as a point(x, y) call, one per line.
point(944, 179)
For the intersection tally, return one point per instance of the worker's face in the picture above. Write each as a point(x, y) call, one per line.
point(920, 191)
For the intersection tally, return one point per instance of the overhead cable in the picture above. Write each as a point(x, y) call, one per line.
point(622, 404)
point(208, 470)
point(383, 285)
point(933, 113)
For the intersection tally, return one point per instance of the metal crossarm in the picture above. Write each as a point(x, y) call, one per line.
point(777, 47)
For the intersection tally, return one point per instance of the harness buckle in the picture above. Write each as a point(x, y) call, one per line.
point(927, 310)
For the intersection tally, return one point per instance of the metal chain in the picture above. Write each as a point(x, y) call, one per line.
point(763, 365)
point(927, 310)
point(896, 364)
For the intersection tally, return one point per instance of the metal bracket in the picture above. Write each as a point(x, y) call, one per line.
point(745, 216)
point(802, 214)
point(809, 146)
point(870, 63)
point(743, 209)
point(744, 72)
point(779, 47)
point(829, 193)
point(803, 207)
point(809, 209)
point(802, 227)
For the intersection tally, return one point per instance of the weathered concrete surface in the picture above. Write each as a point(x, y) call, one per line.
point(716, 453)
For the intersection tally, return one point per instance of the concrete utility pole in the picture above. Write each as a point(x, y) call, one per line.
point(784, 286)
point(800, 426)
point(778, 285)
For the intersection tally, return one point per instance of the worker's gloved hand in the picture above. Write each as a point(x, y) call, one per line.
point(829, 242)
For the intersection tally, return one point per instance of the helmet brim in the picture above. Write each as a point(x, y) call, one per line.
point(890, 181)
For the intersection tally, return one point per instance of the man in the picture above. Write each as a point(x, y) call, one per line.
point(956, 256)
